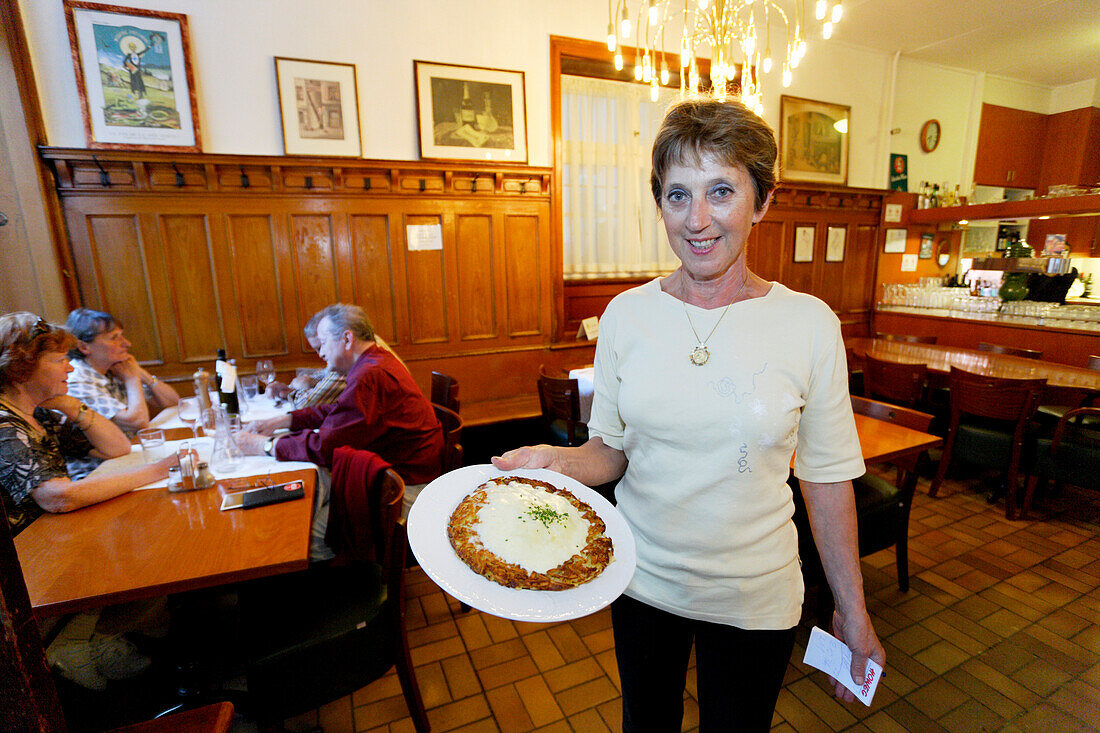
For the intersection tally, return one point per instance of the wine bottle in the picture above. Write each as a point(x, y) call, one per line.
point(219, 367)
point(467, 115)
point(227, 389)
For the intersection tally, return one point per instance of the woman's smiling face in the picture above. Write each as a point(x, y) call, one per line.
point(709, 210)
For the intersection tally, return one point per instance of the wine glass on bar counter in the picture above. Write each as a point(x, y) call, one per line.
point(265, 371)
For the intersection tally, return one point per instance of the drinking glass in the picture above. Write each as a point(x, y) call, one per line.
point(249, 388)
point(152, 444)
point(265, 372)
point(189, 413)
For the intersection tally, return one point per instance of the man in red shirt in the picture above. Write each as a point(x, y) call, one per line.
point(381, 410)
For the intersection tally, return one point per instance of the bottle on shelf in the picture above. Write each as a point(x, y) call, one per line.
point(934, 197)
point(922, 198)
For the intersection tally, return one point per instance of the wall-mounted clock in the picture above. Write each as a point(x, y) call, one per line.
point(930, 136)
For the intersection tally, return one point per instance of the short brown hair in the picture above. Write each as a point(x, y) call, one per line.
point(23, 339)
point(346, 317)
point(728, 130)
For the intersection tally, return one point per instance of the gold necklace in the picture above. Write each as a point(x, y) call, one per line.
point(700, 355)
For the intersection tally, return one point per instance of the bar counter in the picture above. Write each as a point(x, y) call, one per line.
point(951, 328)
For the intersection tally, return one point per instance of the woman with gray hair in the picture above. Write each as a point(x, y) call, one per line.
point(107, 377)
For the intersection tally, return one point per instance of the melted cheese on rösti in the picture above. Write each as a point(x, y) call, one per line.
point(530, 527)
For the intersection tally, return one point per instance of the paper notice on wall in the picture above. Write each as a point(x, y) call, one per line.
point(424, 236)
point(590, 328)
point(909, 262)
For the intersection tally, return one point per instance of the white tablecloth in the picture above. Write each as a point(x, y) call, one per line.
point(254, 410)
point(585, 387)
point(248, 466)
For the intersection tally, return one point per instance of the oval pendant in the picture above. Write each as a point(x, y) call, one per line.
point(699, 355)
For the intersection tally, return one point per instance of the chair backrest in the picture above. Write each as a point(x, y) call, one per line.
point(390, 503)
point(29, 700)
point(892, 381)
point(452, 438)
point(907, 418)
point(993, 397)
point(445, 390)
point(1094, 362)
point(560, 400)
point(1010, 350)
point(907, 337)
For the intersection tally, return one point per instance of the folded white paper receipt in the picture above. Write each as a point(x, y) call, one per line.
point(833, 657)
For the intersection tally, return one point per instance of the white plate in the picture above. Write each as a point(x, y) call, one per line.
point(428, 521)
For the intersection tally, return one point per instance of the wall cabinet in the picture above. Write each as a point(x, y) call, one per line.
point(1010, 147)
point(1071, 154)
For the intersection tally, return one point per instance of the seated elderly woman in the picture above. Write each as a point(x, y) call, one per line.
point(40, 427)
point(109, 380)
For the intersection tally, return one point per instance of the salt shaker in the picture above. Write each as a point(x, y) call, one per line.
point(203, 478)
point(175, 480)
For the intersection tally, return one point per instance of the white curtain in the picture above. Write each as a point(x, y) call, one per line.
point(610, 220)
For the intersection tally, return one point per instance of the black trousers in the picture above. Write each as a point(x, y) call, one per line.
point(739, 672)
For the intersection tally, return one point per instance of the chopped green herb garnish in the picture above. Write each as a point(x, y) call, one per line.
point(545, 514)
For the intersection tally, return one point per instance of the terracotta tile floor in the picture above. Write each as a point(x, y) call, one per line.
point(1000, 631)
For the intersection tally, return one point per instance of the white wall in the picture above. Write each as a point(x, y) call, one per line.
point(233, 42)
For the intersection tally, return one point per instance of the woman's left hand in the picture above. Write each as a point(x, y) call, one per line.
point(63, 403)
point(856, 632)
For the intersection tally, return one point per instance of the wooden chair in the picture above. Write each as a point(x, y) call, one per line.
point(29, 700)
point(988, 425)
point(907, 337)
point(901, 384)
point(1010, 350)
point(882, 508)
point(561, 409)
point(1071, 455)
point(445, 391)
point(318, 635)
point(1094, 362)
point(452, 438)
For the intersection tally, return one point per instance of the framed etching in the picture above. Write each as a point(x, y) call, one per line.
point(319, 107)
point(803, 244)
point(470, 113)
point(813, 141)
point(834, 244)
point(133, 77)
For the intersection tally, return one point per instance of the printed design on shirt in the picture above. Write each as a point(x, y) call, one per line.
point(743, 459)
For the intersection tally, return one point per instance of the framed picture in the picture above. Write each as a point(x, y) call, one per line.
point(813, 140)
point(133, 76)
point(470, 113)
point(319, 106)
point(803, 244)
point(834, 244)
point(895, 241)
point(925, 252)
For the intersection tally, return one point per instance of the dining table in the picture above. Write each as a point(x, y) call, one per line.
point(1061, 379)
point(152, 542)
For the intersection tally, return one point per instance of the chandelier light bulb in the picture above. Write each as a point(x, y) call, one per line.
point(801, 47)
point(819, 9)
point(838, 10)
point(612, 42)
point(652, 12)
point(795, 58)
point(827, 30)
point(618, 62)
point(750, 45)
point(653, 93)
point(624, 26)
point(637, 72)
point(664, 73)
point(702, 4)
point(786, 77)
point(767, 63)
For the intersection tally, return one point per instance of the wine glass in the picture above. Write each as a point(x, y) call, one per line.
point(265, 371)
point(189, 413)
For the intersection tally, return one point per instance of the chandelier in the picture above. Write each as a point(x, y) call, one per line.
point(733, 30)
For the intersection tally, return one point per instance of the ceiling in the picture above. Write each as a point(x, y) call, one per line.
point(1047, 42)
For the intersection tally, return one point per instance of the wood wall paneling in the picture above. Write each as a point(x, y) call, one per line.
point(122, 279)
point(373, 256)
point(317, 275)
point(524, 298)
point(474, 257)
point(190, 315)
point(258, 299)
point(427, 287)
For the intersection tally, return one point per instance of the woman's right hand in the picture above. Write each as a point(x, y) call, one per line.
point(529, 456)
